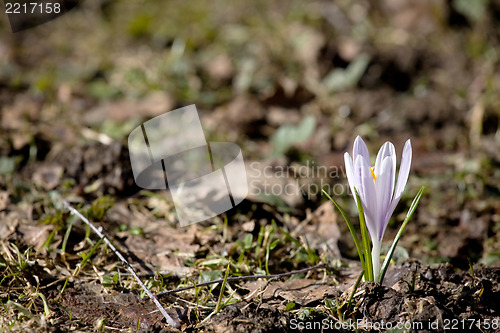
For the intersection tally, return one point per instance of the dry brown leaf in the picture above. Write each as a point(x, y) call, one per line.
point(301, 291)
point(322, 231)
point(4, 200)
point(48, 176)
point(8, 224)
point(219, 67)
point(122, 110)
point(35, 235)
point(166, 248)
point(240, 112)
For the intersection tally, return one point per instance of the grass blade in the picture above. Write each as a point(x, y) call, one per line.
point(86, 257)
point(354, 289)
point(222, 289)
point(21, 308)
point(46, 309)
point(351, 229)
point(388, 257)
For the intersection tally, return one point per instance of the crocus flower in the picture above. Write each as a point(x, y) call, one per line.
point(377, 188)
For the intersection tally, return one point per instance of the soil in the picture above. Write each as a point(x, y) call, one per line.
point(72, 90)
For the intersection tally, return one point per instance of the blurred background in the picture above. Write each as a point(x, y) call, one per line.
point(291, 82)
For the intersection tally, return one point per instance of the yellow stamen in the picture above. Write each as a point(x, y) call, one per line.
point(372, 169)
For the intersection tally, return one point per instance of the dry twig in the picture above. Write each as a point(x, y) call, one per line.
point(98, 231)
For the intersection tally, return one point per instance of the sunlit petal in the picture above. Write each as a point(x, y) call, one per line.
point(387, 150)
point(384, 188)
point(349, 170)
point(360, 149)
point(404, 169)
point(359, 162)
point(369, 198)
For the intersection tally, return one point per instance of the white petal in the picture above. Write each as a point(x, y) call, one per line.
point(349, 170)
point(386, 150)
point(368, 196)
point(384, 188)
point(358, 176)
point(404, 171)
point(360, 149)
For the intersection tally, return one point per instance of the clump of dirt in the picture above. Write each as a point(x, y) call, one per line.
point(248, 317)
point(105, 167)
point(421, 299)
point(424, 299)
point(90, 304)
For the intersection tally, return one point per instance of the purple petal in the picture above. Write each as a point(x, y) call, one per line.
point(358, 176)
point(368, 196)
point(404, 171)
point(387, 150)
point(349, 170)
point(360, 149)
point(384, 188)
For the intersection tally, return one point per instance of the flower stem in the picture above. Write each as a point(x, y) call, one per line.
point(376, 259)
